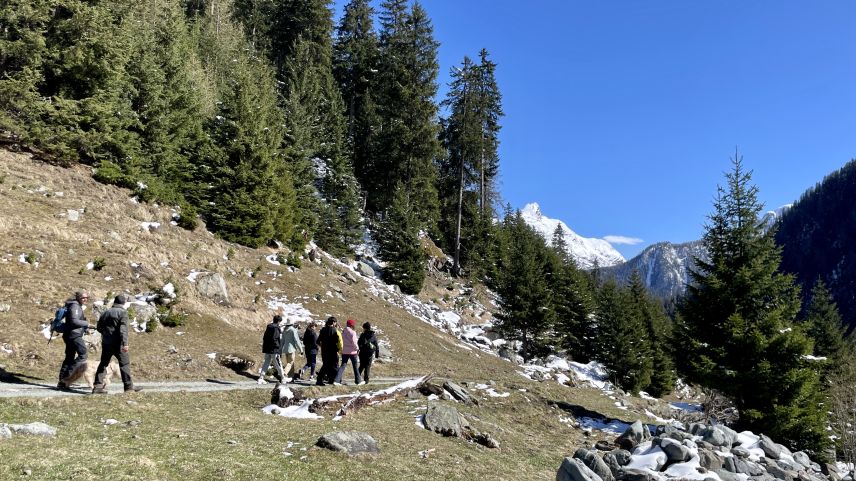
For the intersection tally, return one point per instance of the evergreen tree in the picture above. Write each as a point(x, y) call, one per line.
point(657, 332)
point(737, 323)
point(406, 142)
point(525, 298)
point(824, 324)
point(573, 304)
point(398, 238)
point(624, 347)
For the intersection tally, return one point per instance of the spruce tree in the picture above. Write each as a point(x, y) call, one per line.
point(573, 304)
point(398, 238)
point(737, 323)
point(623, 344)
point(824, 324)
point(658, 333)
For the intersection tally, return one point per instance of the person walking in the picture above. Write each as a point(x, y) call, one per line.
point(349, 352)
point(369, 350)
point(330, 342)
point(271, 342)
point(291, 345)
point(113, 326)
point(75, 347)
point(310, 344)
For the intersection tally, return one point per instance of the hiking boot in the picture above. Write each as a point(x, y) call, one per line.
point(61, 386)
point(99, 390)
point(133, 388)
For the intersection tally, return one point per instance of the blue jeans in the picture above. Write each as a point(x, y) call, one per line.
point(354, 362)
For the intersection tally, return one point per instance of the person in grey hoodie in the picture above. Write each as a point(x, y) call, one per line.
point(75, 347)
point(113, 326)
point(291, 345)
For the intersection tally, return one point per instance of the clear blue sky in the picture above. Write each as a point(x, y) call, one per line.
point(621, 116)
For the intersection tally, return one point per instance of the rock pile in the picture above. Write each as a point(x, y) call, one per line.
point(702, 453)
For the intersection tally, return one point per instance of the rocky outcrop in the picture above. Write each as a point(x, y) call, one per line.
point(212, 286)
point(348, 442)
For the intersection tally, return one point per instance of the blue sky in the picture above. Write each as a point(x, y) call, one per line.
point(621, 116)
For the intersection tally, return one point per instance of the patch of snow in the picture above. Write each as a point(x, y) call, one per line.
point(294, 412)
point(809, 357)
point(491, 391)
point(169, 290)
point(193, 275)
point(647, 456)
point(688, 407)
point(273, 260)
point(611, 426)
point(212, 355)
point(90, 266)
point(295, 310)
point(148, 226)
point(420, 421)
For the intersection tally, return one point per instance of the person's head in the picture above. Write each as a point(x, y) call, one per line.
point(289, 321)
point(277, 319)
point(120, 300)
point(331, 321)
point(81, 297)
point(367, 326)
point(351, 323)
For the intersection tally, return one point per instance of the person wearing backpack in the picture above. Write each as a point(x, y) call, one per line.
point(113, 326)
point(74, 327)
point(369, 350)
point(271, 342)
point(290, 346)
point(310, 343)
point(349, 352)
point(330, 342)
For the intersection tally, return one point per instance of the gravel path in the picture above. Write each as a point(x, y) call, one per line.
point(11, 390)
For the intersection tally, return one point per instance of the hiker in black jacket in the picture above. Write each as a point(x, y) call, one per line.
point(271, 342)
point(369, 350)
point(310, 344)
point(113, 326)
point(330, 342)
point(75, 347)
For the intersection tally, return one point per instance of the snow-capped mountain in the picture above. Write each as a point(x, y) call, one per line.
point(772, 216)
point(587, 252)
point(664, 267)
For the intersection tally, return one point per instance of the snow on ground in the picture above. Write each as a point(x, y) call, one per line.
point(295, 412)
point(611, 426)
point(491, 391)
point(149, 226)
point(293, 310)
point(688, 407)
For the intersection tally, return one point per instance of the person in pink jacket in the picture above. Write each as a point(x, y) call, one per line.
point(349, 352)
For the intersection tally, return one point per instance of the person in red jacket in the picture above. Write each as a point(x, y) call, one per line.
point(349, 352)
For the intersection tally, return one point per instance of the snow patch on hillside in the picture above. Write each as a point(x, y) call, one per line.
point(587, 252)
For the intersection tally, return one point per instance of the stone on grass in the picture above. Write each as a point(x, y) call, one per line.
point(445, 420)
point(5, 307)
point(431, 386)
point(33, 429)
point(212, 286)
point(595, 463)
point(458, 392)
point(575, 470)
point(486, 440)
point(5, 432)
point(349, 442)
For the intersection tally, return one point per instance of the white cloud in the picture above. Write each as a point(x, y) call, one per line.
point(622, 240)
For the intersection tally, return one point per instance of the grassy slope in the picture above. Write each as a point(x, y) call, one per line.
point(184, 435)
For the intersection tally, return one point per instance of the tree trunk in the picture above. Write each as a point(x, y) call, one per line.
point(456, 267)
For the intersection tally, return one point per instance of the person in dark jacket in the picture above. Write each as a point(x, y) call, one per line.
point(369, 350)
point(310, 344)
point(271, 342)
point(330, 342)
point(75, 347)
point(113, 326)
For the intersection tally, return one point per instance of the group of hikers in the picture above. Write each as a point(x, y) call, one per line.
point(280, 341)
point(283, 342)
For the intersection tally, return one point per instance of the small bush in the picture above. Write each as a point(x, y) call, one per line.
point(110, 173)
point(174, 319)
point(281, 258)
point(2, 178)
point(152, 325)
point(187, 217)
point(230, 253)
point(31, 258)
point(293, 260)
point(99, 263)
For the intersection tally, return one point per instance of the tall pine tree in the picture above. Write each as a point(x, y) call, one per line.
point(399, 238)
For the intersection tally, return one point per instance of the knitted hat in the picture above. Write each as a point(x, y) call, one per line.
point(351, 322)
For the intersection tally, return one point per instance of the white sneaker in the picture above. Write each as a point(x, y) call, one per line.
point(288, 379)
point(337, 384)
point(262, 381)
point(361, 383)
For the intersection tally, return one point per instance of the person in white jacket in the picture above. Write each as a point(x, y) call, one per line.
point(289, 348)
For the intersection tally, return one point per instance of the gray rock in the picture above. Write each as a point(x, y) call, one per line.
point(73, 215)
point(709, 460)
point(486, 440)
point(603, 446)
point(445, 420)
point(740, 452)
point(5, 307)
point(384, 352)
point(771, 449)
point(5, 432)
point(802, 458)
point(633, 436)
point(729, 464)
point(458, 392)
point(575, 470)
point(431, 386)
point(762, 477)
point(726, 475)
point(212, 286)
point(831, 470)
point(33, 429)
point(748, 467)
point(730, 434)
point(697, 429)
point(675, 451)
point(637, 475)
point(508, 354)
point(595, 463)
point(314, 255)
point(350, 442)
point(675, 433)
point(781, 473)
point(364, 269)
point(706, 445)
point(716, 437)
point(612, 463)
point(622, 456)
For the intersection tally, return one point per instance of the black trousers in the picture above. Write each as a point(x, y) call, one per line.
point(75, 356)
point(329, 367)
point(365, 367)
point(108, 351)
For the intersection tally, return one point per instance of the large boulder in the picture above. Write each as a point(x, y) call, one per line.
point(364, 269)
point(638, 475)
point(802, 458)
point(595, 463)
point(710, 461)
point(781, 473)
point(5, 432)
point(384, 353)
point(459, 393)
point(573, 469)
point(349, 442)
point(675, 451)
point(446, 420)
point(716, 437)
point(212, 286)
point(771, 449)
point(633, 436)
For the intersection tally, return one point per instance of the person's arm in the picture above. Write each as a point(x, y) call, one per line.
point(75, 317)
point(299, 342)
point(123, 329)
